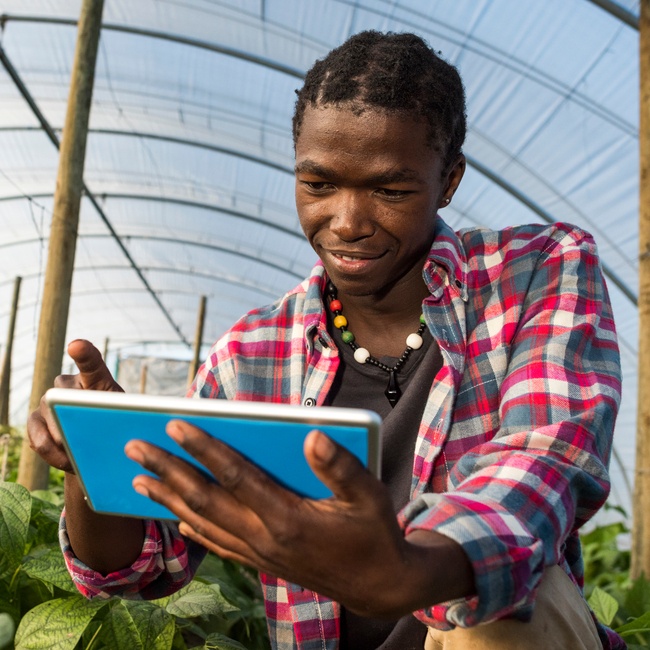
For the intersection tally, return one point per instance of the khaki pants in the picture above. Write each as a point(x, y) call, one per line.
point(561, 621)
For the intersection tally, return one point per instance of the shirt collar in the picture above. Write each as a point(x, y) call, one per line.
point(446, 264)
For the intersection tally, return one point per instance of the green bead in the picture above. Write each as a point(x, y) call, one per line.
point(347, 336)
point(422, 321)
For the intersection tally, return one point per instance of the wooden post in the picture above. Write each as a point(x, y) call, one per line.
point(641, 501)
point(198, 337)
point(143, 376)
point(33, 472)
point(5, 377)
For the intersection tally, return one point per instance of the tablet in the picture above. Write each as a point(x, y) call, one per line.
point(96, 425)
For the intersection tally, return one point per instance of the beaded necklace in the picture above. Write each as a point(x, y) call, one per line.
point(361, 355)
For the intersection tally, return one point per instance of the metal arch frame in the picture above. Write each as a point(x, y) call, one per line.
point(171, 139)
point(488, 173)
point(502, 59)
point(174, 38)
point(175, 201)
point(117, 290)
point(55, 141)
point(199, 145)
point(619, 12)
point(172, 240)
point(507, 61)
point(475, 164)
point(271, 292)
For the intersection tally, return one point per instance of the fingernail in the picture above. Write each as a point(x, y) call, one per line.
point(185, 529)
point(140, 489)
point(175, 432)
point(133, 453)
point(324, 448)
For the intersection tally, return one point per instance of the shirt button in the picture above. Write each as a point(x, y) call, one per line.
point(310, 401)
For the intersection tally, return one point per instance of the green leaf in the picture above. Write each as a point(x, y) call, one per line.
point(604, 534)
point(56, 624)
point(218, 641)
point(640, 624)
point(49, 567)
point(603, 605)
point(6, 630)
point(155, 626)
point(198, 599)
point(637, 599)
point(52, 497)
point(119, 630)
point(15, 508)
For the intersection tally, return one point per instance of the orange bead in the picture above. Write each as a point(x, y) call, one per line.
point(335, 305)
point(340, 321)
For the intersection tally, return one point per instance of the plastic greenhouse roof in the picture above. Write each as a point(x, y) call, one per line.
point(190, 154)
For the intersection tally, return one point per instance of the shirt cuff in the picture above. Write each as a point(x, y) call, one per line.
point(160, 569)
point(508, 562)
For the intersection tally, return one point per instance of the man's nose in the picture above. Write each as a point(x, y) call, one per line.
point(353, 217)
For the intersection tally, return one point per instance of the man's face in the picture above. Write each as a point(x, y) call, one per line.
point(367, 190)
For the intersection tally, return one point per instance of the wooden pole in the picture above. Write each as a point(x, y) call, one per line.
point(198, 337)
point(641, 502)
point(33, 472)
point(143, 377)
point(5, 377)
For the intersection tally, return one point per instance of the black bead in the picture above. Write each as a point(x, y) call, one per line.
point(392, 392)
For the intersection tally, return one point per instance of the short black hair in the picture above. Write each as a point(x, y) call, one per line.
point(394, 72)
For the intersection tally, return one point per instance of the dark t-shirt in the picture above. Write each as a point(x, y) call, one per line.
point(363, 386)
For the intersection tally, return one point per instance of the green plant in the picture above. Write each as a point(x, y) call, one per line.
point(617, 601)
point(40, 608)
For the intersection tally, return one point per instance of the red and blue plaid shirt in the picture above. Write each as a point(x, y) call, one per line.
point(512, 452)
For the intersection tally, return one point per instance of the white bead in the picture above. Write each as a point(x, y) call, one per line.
point(414, 341)
point(361, 355)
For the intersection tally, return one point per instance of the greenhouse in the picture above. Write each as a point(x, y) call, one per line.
point(188, 216)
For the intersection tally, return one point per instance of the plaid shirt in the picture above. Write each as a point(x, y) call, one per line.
point(512, 451)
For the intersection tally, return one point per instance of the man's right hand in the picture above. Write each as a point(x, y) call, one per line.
point(93, 374)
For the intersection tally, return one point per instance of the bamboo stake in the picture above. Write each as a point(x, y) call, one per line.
point(33, 472)
point(5, 377)
point(641, 502)
point(198, 337)
point(143, 377)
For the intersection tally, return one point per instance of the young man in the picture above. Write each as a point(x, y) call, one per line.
point(492, 357)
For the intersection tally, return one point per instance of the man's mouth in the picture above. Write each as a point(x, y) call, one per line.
point(354, 257)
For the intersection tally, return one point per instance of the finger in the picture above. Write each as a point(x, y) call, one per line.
point(224, 550)
point(340, 470)
point(52, 428)
point(185, 491)
point(42, 442)
point(93, 373)
point(195, 526)
point(244, 480)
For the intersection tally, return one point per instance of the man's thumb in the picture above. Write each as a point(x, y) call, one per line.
point(93, 373)
point(340, 470)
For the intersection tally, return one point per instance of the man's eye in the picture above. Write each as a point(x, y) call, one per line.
point(317, 186)
point(392, 194)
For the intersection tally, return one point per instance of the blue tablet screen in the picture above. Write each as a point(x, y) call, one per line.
point(96, 438)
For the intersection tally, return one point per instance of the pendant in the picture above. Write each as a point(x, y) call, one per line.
point(392, 392)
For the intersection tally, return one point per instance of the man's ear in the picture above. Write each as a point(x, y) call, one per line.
point(453, 178)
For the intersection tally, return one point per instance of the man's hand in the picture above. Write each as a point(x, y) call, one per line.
point(348, 547)
point(93, 374)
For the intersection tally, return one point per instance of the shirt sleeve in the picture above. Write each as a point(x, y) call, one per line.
point(168, 561)
point(517, 498)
